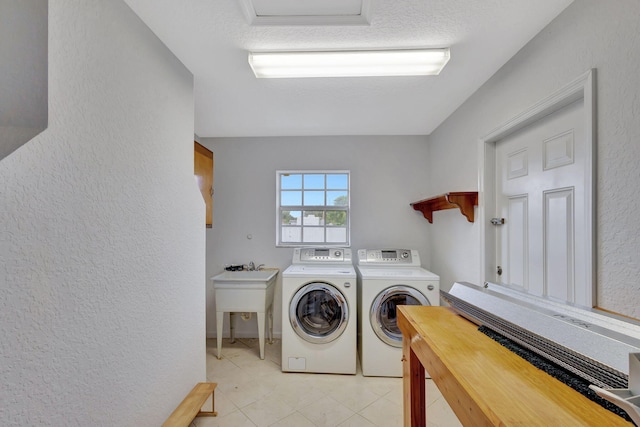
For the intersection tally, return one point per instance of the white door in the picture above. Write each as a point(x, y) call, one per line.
point(541, 175)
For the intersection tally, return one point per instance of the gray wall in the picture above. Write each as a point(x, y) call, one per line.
point(387, 173)
point(102, 243)
point(588, 34)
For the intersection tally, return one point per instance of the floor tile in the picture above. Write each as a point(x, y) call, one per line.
point(223, 405)
point(299, 392)
point(383, 413)
point(248, 391)
point(267, 411)
point(233, 419)
point(294, 420)
point(326, 412)
point(357, 421)
point(354, 395)
point(439, 414)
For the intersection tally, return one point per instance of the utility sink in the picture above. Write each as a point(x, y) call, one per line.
point(244, 292)
point(243, 277)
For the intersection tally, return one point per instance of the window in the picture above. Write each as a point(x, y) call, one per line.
point(313, 208)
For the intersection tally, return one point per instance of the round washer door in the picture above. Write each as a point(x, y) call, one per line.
point(383, 314)
point(318, 312)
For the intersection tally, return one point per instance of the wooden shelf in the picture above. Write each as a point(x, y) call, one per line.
point(464, 200)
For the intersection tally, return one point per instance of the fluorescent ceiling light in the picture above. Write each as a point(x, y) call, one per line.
point(359, 63)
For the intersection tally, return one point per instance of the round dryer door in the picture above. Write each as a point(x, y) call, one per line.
point(384, 316)
point(318, 313)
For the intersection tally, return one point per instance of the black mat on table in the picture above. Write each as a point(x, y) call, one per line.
point(579, 384)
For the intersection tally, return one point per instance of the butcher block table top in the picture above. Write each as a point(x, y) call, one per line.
point(484, 383)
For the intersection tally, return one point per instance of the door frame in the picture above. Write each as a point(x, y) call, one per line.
point(582, 87)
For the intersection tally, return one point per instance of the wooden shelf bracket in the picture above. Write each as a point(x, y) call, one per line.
point(464, 200)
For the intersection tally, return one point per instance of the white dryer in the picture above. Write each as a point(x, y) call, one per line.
point(388, 278)
point(319, 314)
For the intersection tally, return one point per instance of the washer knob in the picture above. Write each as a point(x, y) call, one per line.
point(404, 255)
point(337, 253)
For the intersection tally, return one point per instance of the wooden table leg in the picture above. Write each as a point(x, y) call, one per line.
point(414, 389)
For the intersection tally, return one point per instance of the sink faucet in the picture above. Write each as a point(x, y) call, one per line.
point(252, 266)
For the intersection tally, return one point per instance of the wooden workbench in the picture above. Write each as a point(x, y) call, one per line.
point(484, 383)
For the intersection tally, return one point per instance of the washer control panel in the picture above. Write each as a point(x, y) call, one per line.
point(322, 255)
point(392, 257)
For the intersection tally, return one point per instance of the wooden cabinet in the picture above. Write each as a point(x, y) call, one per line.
point(203, 170)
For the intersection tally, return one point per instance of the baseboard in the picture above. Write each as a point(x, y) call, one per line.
point(276, 335)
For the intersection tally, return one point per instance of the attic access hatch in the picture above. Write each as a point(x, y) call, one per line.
point(307, 12)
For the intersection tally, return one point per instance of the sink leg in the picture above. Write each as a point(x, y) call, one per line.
point(232, 331)
point(271, 324)
point(261, 325)
point(219, 320)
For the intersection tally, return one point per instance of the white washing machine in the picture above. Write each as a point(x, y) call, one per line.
point(388, 278)
point(319, 314)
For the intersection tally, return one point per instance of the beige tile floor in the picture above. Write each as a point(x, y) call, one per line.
point(253, 392)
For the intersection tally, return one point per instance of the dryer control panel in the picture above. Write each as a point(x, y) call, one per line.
point(322, 255)
point(391, 257)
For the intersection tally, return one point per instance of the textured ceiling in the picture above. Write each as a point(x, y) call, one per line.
point(212, 37)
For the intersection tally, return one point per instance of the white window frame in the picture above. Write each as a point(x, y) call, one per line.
point(303, 207)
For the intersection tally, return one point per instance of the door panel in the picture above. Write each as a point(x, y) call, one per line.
point(517, 272)
point(559, 238)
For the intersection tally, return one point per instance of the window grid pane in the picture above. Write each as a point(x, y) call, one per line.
point(290, 181)
point(291, 198)
point(313, 218)
point(337, 181)
point(314, 198)
point(314, 181)
point(291, 234)
point(337, 198)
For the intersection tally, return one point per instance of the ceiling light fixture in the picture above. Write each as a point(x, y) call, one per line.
point(355, 63)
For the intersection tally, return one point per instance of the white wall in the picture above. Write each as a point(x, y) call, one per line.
point(102, 243)
point(387, 173)
point(588, 34)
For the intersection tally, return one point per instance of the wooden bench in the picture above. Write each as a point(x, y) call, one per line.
point(191, 406)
